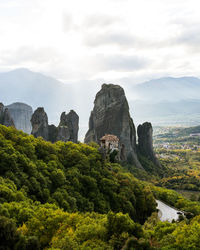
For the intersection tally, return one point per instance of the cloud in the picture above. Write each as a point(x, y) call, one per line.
point(99, 20)
point(117, 62)
point(124, 63)
point(190, 38)
point(110, 38)
point(92, 22)
point(125, 40)
point(82, 40)
point(187, 34)
point(27, 54)
point(68, 22)
point(9, 4)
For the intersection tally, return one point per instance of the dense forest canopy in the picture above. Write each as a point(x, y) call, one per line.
point(65, 196)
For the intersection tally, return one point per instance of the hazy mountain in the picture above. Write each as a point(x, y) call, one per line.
point(188, 131)
point(168, 101)
point(38, 90)
point(35, 89)
point(161, 101)
point(168, 89)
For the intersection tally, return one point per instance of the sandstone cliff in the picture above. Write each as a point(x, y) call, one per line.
point(21, 114)
point(111, 115)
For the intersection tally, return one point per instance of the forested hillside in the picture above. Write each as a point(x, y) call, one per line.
point(65, 196)
point(72, 177)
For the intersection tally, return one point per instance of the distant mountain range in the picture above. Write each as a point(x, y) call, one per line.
point(164, 101)
point(183, 113)
point(168, 101)
point(168, 89)
point(35, 89)
point(38, 90)
point(189, 131)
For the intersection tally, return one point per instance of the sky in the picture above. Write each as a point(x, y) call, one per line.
point(109, 40)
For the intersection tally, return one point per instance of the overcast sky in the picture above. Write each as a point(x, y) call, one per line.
point(112, 40)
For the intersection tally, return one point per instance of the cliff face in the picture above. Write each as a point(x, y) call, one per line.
point(111, 115)
point(66, 131)
point(145, 142)
point(5, 117)
point(39, 123)
point(21, 114)
point(68, 127)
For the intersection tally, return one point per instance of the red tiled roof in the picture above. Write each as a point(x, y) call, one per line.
point(107, 137)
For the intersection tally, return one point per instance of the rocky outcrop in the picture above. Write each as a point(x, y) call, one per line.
point(63, 133)
point(52, 133)
point(68, 127)
point(39, 123)
point(5, 117)
point(21, 114)
point(66, 131)
point(111, 115)
point(145, 142)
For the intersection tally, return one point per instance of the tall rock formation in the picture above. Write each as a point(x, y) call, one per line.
point(145, 142)
point(5, 117)
point(66, 131)
point(39, 123)
point(111, 115)
point(68, 127)
point(52, 133)
point(21, 114)
point(1, 112)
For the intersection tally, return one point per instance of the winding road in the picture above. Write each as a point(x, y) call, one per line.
point(167, 213)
